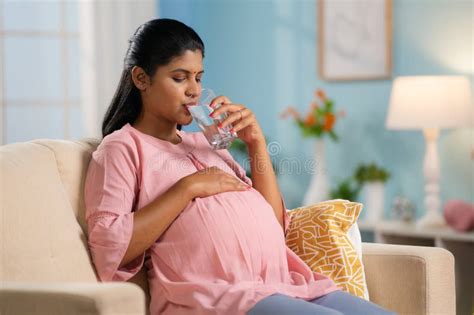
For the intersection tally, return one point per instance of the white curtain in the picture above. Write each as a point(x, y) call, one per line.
point(104, 28)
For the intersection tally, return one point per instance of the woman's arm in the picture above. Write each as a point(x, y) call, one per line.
point(263, 177)
point(245, 124)
point(117, 236)
point(152, 220)
point(155, 218)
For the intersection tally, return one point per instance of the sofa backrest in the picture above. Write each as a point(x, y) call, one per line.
point(41, 237)
point(72, 159)
point(42, 216)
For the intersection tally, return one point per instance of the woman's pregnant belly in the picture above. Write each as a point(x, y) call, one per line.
point(232, 236)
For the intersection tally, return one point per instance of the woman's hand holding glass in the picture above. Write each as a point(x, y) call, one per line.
point(242, 120)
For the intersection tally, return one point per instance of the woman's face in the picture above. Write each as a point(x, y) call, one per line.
point(172, 87)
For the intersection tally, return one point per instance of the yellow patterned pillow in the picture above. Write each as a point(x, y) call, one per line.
point(318, 234)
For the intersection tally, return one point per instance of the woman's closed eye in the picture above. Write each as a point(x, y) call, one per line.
point(182, 79)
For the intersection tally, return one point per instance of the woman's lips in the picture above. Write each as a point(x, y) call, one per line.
point(186, 107)
point(186, 110)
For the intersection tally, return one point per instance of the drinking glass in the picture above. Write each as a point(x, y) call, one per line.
point(219, 138)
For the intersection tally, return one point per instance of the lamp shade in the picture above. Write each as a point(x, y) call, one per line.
point(421, 102)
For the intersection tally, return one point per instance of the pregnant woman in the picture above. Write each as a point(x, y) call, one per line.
point(212, 239)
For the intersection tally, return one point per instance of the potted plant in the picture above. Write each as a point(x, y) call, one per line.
point(372, 177)
point(318, 123)
point(320, 120)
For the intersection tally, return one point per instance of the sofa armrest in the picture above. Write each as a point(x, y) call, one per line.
point(107, 298)
point(410, 279)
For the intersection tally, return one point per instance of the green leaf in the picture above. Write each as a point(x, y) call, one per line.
point(329, 106)
point(333, 136)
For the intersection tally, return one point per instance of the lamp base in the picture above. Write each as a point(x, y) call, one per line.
point(431, 220)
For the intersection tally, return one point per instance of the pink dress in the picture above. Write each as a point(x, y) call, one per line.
point(221, 255)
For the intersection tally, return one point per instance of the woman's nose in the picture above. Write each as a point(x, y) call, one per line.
point(193, 96)
point(194, 91)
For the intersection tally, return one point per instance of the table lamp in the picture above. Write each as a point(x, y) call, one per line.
point(430, 103)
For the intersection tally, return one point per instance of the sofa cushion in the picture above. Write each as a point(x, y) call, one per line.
point(40, 236)
point(319, 235)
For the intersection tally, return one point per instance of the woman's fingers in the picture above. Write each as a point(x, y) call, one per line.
point(235, 117)
point(233, 183)
point(236, 113)
point(226, 108)
point(239, 186)
point(222, 99)
point(249, 119)
point(227, 179)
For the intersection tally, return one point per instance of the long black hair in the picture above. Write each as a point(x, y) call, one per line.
point(155, 43)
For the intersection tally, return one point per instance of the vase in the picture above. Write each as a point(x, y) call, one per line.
point(318, 188)
point(374, 201)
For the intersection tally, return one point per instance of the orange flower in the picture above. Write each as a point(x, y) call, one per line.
point(329, 121)
point(319, 120)
point(320, 93)
point(310, 119)
point(290, 111)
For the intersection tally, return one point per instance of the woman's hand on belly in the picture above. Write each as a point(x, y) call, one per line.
point(211, 181)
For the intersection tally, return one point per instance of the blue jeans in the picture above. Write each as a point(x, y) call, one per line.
point(334, 303)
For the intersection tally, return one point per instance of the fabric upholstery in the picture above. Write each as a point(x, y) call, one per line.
point(77, 298)
point(410, 279)
point(44, 249)
point(40, 235)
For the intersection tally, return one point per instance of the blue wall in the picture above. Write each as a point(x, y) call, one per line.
point(263, 54)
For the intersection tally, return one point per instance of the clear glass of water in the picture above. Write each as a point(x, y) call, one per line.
point(219, 138)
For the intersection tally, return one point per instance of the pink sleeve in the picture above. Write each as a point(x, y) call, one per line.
point(110, 191)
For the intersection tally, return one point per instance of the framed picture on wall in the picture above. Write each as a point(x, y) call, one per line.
point(355, 39)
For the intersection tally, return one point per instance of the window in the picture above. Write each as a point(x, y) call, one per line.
point(39, 70)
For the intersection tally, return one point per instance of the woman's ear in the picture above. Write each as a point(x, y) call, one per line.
point(140, 78)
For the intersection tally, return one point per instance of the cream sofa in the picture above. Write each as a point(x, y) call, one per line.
point(46, 268)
